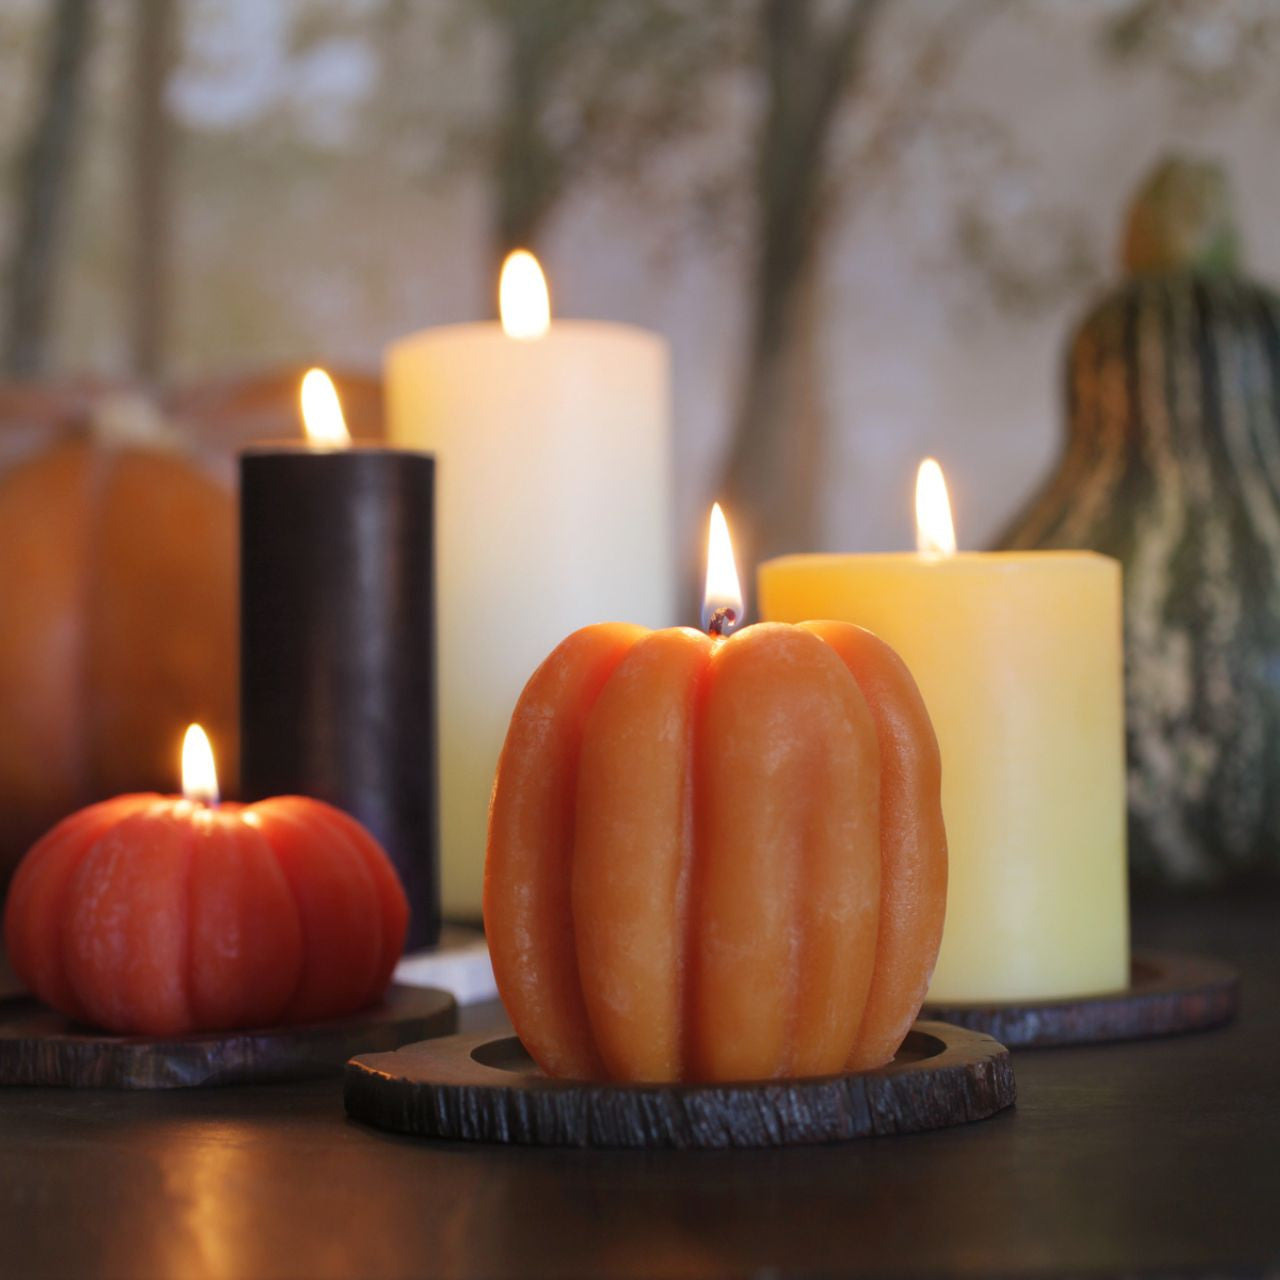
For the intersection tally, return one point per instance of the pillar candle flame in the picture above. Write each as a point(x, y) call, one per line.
point(935, 533)
point(322, 411)
point(523, 301)
point(722, 605)
point(199, 775)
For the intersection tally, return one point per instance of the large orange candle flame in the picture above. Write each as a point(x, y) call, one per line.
point(722, 600)
point(199, 774)
point(935, 533)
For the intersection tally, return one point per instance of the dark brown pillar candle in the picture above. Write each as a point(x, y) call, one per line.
point(337, 634)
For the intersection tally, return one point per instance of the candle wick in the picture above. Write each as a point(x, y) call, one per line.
point(722, 622)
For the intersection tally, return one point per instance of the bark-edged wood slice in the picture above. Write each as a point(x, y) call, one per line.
point(41, 1047)
point(1168, 993)
point(477, 1088)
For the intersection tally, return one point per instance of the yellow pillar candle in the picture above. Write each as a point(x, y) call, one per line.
point(552, 510)
point(1019, 659)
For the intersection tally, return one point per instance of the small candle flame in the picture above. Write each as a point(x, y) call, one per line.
point(322, 411)
point(523, 301)
point(199, 776)
point(935, 533)
point(722, 599)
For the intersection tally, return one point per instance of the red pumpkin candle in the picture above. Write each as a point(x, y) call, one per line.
point(159, 915)
point(716, 856)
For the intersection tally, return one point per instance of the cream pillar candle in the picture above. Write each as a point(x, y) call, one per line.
point(1019, 659)
point(553, 497)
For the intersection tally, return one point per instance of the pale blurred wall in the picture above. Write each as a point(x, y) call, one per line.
point(923, 359)
point(294, 242)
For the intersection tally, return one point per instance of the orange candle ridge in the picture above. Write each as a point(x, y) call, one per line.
point(716, 858)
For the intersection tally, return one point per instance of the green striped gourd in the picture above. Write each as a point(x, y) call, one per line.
point(1172, 465)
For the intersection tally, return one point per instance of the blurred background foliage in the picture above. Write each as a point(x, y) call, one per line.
point(864, 226)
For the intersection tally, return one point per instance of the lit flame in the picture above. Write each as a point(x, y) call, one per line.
point(722, 599)
point(935, 534)
point(523, 301)
point(322, 411)
point(199, 777)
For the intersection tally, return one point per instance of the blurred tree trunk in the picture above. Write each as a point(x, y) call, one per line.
point(527, 170)
point(153, 31)
point(812, 55)
point(591, 89)
point(44, 173)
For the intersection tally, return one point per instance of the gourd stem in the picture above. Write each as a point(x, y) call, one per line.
point(1181, 220)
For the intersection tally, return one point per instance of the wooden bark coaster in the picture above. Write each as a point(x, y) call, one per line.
point(1168, 993)
point(480, 1089)
point(40, 1047)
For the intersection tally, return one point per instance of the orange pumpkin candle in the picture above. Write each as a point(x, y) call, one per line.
point(160, 915)
point(716, 856)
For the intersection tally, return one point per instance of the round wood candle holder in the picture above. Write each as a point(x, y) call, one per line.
point(41, 1047)
point(1169, 993)
point(479, 1088)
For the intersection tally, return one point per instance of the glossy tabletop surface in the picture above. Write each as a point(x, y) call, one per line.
point(1148, 1157)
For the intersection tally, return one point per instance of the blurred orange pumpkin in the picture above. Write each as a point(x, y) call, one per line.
point(117, 618)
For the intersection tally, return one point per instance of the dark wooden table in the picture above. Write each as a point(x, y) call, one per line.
point(1155, 1157)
